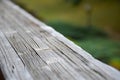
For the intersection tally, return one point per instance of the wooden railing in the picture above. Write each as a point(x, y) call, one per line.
point(31, 50)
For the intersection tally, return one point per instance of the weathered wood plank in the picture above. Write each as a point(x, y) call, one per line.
point(10, 63)
point(31, 50)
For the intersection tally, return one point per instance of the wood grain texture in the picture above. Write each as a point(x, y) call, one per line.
point(31, 50)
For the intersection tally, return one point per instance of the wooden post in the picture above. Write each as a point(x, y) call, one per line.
point(88, 10)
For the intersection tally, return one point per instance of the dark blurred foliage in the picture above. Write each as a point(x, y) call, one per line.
point(74, 2)
point(77, 32)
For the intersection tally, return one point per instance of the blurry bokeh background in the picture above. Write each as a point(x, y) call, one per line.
point(94, 25)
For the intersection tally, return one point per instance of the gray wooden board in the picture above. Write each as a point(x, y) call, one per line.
point(31, 50)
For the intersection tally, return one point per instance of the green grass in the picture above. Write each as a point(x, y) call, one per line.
point(101, 47)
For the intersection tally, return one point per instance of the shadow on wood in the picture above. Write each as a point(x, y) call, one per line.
point(1, 75)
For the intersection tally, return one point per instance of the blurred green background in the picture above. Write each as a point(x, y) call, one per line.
point(94, 25)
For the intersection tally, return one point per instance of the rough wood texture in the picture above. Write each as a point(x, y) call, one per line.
point(31, 50)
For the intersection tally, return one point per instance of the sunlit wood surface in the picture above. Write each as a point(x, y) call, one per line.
point(31, 50)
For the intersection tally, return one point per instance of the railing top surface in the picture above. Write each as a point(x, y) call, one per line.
point(31, 50)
